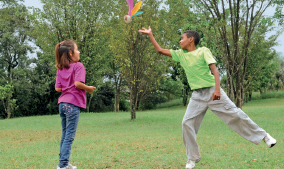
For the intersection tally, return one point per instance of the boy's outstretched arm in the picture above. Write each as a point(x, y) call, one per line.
point(217, 93)
point(153, 40)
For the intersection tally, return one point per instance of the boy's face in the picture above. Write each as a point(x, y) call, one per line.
point(185, 41)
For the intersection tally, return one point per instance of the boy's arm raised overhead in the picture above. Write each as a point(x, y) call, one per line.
point(156, 45)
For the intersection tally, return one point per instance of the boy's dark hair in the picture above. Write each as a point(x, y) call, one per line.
point(193, 34)
point(62, 54)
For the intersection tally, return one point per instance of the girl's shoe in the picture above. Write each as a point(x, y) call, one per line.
point(68, 167)
point(72, 167)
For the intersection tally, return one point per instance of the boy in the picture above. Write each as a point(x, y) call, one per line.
point(207, 94)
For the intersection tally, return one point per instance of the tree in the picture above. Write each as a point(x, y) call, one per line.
point(279, 12)
point(280, 72)
point(140, 65)
point(5, 97)
point(14, 28)
point(115, 74)
point(231, 26)
point(261, 65)
point(172, 85)
point(81, 21)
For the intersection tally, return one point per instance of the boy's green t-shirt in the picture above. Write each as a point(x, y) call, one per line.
point(196, 65)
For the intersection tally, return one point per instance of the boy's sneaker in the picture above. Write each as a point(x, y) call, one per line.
point(68, 167)
point(270, 141)
point(190, 164)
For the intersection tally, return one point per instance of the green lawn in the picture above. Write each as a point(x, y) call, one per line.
point(154, 140)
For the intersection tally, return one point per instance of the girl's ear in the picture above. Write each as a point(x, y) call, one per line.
point(70, 53)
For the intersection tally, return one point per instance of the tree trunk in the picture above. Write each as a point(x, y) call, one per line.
point(184, 100)
point(117, 102)
point(230, 88)
point(246, 97)
point(138, 102)
point(250, 94)
point(133, 101)
point(238, 96)
point(117, 96)
point(169, 96)
point(132, 109)
point(88, 106)
point(8, 107)
point(185, 96)
point(242, 95)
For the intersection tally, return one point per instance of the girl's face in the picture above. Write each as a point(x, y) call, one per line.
point(76, 55)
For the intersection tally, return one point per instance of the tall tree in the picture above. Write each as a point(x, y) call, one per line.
point(261, 66)
point(81, 21)
point(140, 65)
point(279, 12)
point(14, 25)
point(280, 72)
point(231, 24)
point(115, 74)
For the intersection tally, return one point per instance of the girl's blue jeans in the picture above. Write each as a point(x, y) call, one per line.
point(69, 114)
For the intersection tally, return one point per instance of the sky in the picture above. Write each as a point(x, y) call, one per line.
point(268, 12)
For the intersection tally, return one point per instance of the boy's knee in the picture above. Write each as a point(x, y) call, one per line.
point(186, 122)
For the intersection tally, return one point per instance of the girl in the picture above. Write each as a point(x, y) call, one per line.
point(70, 79)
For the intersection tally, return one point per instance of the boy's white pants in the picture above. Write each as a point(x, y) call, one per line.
point(225, 109)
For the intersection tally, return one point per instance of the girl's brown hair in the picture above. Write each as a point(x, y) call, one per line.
point(62, 54)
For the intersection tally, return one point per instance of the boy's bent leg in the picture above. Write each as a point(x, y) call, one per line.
point(190, 126)
point(236, 119)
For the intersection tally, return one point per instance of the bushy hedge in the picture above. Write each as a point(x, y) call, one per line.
point(152, 100)
point(267, 95)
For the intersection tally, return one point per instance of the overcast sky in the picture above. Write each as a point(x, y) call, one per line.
point(268, 12)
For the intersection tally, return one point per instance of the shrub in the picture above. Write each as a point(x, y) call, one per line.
point(267, 95)
point(124, 105)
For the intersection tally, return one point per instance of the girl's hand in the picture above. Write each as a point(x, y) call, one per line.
point(90, 89)
point(58, 89)
point(146, 31)
point(216, 95)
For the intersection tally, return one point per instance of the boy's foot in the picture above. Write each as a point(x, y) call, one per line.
point(270, 141)
point(190, 164)
point(68, 167)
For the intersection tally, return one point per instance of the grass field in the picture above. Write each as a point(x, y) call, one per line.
point(154, 140)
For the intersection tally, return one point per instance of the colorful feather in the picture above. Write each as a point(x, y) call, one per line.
point(130, 6)
point(136, 8)
point(137, 13)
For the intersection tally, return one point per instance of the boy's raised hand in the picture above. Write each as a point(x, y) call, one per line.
point(156, 45)
point(146, 31)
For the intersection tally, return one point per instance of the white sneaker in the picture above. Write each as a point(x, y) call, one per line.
point(71, 167)
point(68, 167)
point(270, 141)
point(190, 164)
